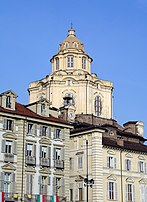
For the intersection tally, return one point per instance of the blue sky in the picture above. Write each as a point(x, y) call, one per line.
point(114, 34)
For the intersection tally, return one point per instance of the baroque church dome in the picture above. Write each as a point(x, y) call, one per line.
point(71, 42)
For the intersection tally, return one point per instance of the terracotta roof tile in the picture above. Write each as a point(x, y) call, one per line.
point(22, 110)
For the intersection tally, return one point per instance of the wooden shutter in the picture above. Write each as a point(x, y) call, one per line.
point(49, 132)
point(62, 187)
point(12, 177)
point(40, 130)
point(114, 162)
point(144, 167)
point(63, 134)
point(126, 192)
point(34, 150)
point(108, 162)
point(27, 183)
point(54, 153)
point(54, 133)
point(142, 193)
point(40, 151)
point(54, 185)
point(15, 147)
point(49, 152)
point(39, 179)
point(133, 188)
point(35, 129)
point(1, 181)
point(108, 190)
point(5, 124)
point(62, 154)
point(3, 146)
point(49, 180)
point(30, 183)
point(115, 191)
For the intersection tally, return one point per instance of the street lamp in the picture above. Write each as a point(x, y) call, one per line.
point(87, 182)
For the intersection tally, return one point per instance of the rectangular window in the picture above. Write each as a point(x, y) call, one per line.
point(43, 109)
point(44, 152)
point(29, 184)
point(83, 62)
point(43, 185)
point(8, 124)
point(43, 131)
point(8, 147)
point(58, 154)
point(29, 149)
point(80, 161)
point(111, 162)
point(143, 193)
point(30, 128)
point(130, 193)
point(8, 101)
point(128, 164)
point(112, 190)
point(7, 183)
point(57, 133)
point(142, 166)
point(70, 61)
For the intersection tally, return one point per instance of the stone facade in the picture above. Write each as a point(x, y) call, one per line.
point(34, 148)
point(71, 79)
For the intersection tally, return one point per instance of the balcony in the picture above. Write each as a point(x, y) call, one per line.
point(45, 162)
point(59, 164)
point(9, 157)
point(30, 160)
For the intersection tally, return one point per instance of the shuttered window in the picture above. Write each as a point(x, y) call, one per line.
point(112, 190)
point(130, 192)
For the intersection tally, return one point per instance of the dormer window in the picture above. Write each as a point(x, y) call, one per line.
point(66, 45)
point(43, 109)
point(70, 61)
point(57, 63)
point(8, 101)
point(83, 62)
point(75, 45)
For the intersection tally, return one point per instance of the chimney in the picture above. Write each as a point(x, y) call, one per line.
point(130, 126)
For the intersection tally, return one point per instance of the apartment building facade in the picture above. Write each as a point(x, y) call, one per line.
point(34, 146)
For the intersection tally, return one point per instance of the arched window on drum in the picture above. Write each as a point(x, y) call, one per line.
point(57, 63)
point(98, 106)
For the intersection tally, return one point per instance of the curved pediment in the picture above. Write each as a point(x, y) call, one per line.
point(130, 179)
point(60, 73)
point(143, 181)
point(112, 178)
point(9, 166)
point(10, 136)
point(44, 140)
point(30, 169)
point(141, 157)
point(129, 155)
point(110, 151)
point(44, 171)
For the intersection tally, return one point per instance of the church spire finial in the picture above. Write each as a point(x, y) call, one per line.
point(71, 25)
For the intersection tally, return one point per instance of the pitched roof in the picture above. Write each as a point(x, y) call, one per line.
point(128, 145)
point(22, 110)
